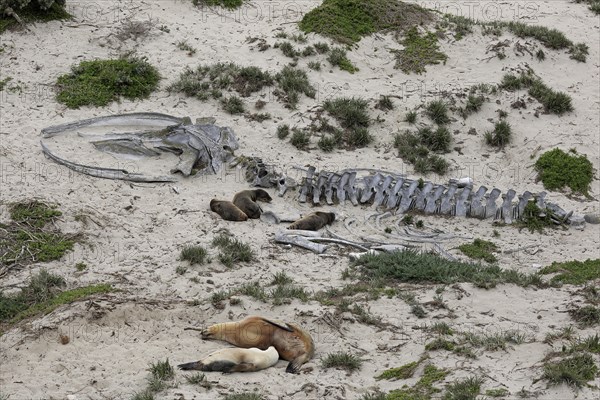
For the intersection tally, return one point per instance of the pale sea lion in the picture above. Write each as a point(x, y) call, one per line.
point(227, 210)
point(292, 343)
point(313, 221)
point(246, 201)
point(235, 360)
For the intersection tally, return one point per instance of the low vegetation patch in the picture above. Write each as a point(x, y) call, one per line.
point(500, 136)
point(535, 219)
point(292, 82)
point(233, 251)
point(424, 388)
point(574, 272)
point(209, 81)
point(437, 110)
point(31, 11)
point(554, 102)
point(557, 170)
point(32, 236)
point(549, 37)
point(419, 51)
point(385, 103)
point(479, 250)
point(339, 58)
point(348, 21)
point(194, 254)
point(586, 316)
point(161, 378)
point(417, 148)
point(342, 360)
point(100, 82)
point(466, 389)
point(575, 371)
point(412, 266)
point(473, 105)
point(404, 372)
point(42, 295)
point(593, 5)
point(353, 117)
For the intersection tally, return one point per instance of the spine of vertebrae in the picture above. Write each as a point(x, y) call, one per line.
point(400, 194)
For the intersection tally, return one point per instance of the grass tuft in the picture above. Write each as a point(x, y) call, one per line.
point(338, 57)
point(466, 389)
point(575, 371)
point(194, 254)
point(437, 110)
point(233, 251)
point(342, 360)
point(586, 316)
point(292, 82)
point(100, 82)
point(233, 105)
point(500, 136)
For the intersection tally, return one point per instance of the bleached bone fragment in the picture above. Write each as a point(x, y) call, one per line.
point(507, 206)
point(407, 197)
point(341, 187)
point(301, 241)
point(352, 189)
point(371, 187)
point(331, 181)
point(448, 199)
point(392, 199)
point(490, 206)
point(432, 199)
point(307, 186)
point(319, 187)
point(382, 190)
point(420, 198)
point(477, 209)
point(460, 209)
point(523, 200)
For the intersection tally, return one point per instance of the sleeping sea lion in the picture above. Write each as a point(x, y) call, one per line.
point(292, 343)
point(246, 201)
point(227, 210)
point(235, 360)
point(313, 221)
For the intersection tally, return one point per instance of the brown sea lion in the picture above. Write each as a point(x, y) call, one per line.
point(235, 360)
point(292, 343)
point(227, 210)
point(246, 201)
point(313, 221)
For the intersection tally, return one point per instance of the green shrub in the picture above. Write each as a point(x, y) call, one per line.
point(351, 113)
point(299, 139)
point(347, 21)
point(32, 11)
point(500, 136)
point(337, 57)
point(100, 82)
point(574, 272)
point(558, 169)
point(229, 4)
point(438, 112)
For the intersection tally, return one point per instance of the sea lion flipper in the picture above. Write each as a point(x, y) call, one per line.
point(243, 367)
point(190, 365)
point(294, 366)
point(279, 324)
point(222, 366)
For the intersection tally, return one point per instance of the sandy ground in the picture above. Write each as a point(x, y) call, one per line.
point(115, 337)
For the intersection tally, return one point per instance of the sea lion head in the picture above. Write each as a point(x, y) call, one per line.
point(327, 216)
point(262, 195)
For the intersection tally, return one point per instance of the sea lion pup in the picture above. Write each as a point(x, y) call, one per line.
point(235, 360)
point(227, 210)
point(246, 201)
point(313, 221)
point(292, 343)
